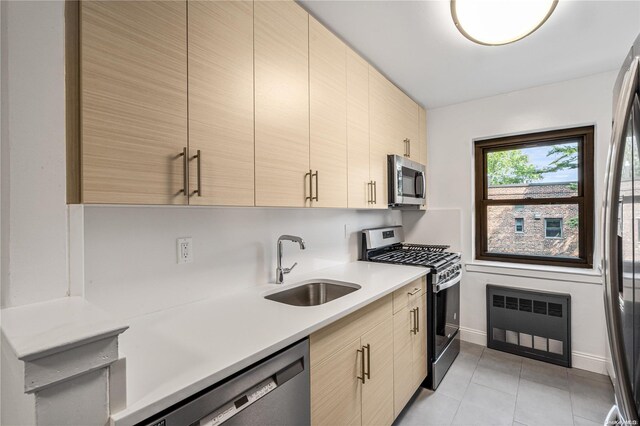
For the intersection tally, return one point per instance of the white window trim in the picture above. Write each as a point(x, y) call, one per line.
point(516, 225)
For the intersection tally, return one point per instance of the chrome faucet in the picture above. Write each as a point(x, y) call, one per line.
point(280, 271)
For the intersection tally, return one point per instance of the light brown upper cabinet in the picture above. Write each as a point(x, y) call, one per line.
point(408, 125)
point(221, 102)
point(327, 116)
point(394, 127)
point(133, 102)
point(235, 103)
point(281, 52)
point(360, 188)
point(385, 137)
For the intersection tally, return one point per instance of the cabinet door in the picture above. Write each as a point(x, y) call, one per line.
point(377, 392)
point(382, 140)
point(336, 391)
point(403, 379)
point(134, 101)
point(221, 101)
point(358, 130)
point(419, 345)
point(328, 116)
point(411, 126)
point(281, 54)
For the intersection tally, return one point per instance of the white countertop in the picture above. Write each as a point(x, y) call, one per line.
point(174, 353)
point(40, 329)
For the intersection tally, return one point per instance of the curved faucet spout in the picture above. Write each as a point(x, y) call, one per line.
point(280, 271)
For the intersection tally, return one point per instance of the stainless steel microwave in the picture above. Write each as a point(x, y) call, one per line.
point(407, 182)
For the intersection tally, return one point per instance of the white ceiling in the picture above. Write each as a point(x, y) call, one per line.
point(417, 46)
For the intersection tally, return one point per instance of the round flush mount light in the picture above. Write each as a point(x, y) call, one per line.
point(498, 22)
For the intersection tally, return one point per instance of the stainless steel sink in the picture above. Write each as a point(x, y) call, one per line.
point(313, 293)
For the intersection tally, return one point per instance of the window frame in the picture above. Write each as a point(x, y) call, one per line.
point(516, 225)
point(561, 228)
point(584, 198)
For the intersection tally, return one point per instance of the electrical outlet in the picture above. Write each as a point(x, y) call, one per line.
point(185, 250)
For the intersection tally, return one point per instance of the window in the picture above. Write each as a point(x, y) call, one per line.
point(553, 228)
point(546, 179)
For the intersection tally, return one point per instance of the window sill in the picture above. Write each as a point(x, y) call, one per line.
point(556, 273)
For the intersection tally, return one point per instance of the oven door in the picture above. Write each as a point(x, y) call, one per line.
point(446, 313)
point(407, 182)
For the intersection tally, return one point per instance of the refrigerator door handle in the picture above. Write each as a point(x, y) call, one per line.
point(624, 396)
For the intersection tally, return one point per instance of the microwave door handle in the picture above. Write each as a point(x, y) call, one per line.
point(421, 179)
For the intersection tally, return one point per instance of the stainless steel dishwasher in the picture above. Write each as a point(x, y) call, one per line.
point(274, 391)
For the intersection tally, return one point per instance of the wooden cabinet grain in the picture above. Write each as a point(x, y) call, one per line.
point(221, 102)
point(352, 378)
point(358, 131)
point(281, 55)
point(133, 80)
point(377, 391)
point(280, 110)
point(327, 116)
point(409, 342)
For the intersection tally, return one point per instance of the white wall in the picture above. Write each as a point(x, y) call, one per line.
point(451, 131)
point(33, 210)
point(130, 252)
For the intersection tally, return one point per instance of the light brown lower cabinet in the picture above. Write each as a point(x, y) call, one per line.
point(366, 366)
point(409, 349)
point(352, 369)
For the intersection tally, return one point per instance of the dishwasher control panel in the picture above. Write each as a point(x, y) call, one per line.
point(232, 408)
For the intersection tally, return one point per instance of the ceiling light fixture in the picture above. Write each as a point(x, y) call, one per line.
point(498, 22)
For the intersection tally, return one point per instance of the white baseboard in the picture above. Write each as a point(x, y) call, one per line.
point(471, 335)
point(581, 360)
point(589, 362)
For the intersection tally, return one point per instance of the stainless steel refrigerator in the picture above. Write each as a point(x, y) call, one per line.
point(621, 251)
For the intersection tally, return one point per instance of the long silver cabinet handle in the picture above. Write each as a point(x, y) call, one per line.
point(362, 368)
point(368, 348)
point(417, 319)
point(375, 193)
point(198, 158)
point(369, 192)
point(415, 291)
point(412, 321)
point(409, 148)
point(310, 196)
point(316, 175)
point(185, 171)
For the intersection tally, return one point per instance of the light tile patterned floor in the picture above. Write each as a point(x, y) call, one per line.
point(488, 387)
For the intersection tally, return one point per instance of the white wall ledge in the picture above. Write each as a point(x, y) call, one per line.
point(543, 272)
point(42, 329)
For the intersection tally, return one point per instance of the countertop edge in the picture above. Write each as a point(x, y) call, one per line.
point(138, 412)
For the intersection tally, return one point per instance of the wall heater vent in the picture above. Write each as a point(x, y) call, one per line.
point(534, 324)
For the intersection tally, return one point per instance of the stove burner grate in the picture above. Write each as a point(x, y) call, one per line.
point(433, 248)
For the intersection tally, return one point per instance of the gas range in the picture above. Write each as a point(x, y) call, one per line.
point(386, 245)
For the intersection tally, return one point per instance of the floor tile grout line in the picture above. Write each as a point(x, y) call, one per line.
point(467, 388)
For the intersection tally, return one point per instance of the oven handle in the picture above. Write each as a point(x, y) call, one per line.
point(443, 286)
